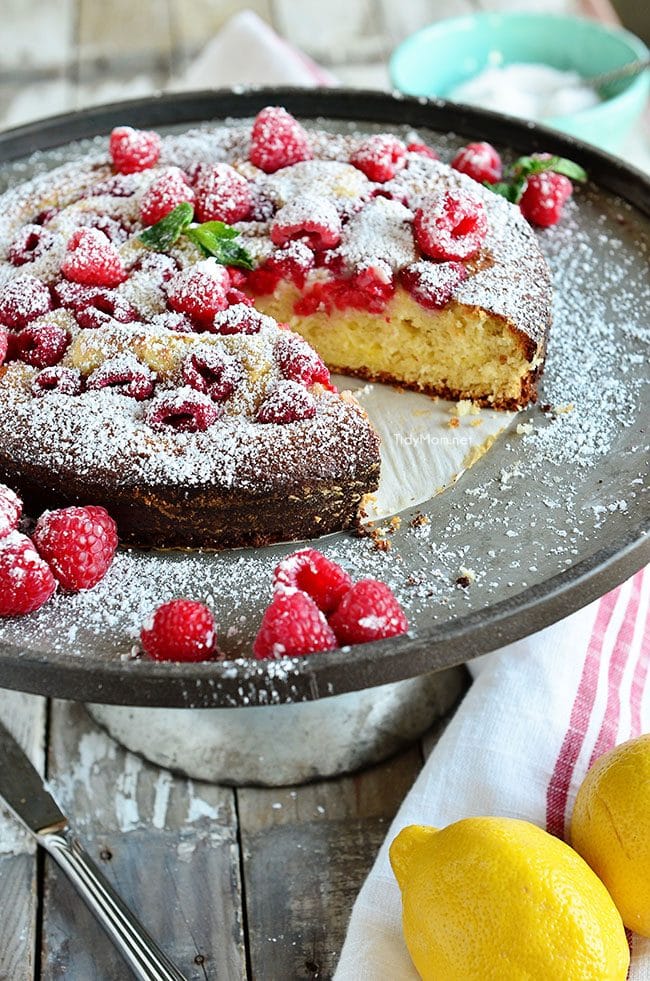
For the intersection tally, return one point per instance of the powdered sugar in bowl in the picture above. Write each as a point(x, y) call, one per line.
point(439, 59)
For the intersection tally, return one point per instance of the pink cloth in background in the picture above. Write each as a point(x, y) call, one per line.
point(246, 51)
point(539, 711)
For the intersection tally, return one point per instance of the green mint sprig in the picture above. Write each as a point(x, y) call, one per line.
point(214, 238)
point(169, 229)
point(514, 185)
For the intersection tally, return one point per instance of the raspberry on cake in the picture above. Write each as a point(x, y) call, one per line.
point(133, 150)
point(480, 161)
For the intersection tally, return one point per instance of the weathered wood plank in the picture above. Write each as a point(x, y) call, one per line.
point(123, 41)
point(37, 49)
point(401, 19)
point(334, 32)
point(24, 716)
point(168, 844)
point(306, 852)
point(36, 34)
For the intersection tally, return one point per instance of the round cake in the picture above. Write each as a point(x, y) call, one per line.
point(169, 313)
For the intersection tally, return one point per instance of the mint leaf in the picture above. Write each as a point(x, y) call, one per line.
point(219, 229)
point(570, 169)
point(526, 166)
point(513, 187)
point(169, 229)
point(503, 189)
point(217, 239)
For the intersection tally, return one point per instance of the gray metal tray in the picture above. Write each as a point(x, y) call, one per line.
point(547, 521)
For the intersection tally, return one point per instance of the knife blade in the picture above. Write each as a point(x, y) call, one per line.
point(22, 788)
point(24, 791)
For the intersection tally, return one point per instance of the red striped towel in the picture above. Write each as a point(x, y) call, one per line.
point(539, 712)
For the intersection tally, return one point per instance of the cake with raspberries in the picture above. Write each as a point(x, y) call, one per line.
point(170, 313)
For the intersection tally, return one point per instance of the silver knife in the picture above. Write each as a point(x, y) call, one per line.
point(22, 788)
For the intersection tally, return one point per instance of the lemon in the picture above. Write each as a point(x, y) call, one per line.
point(610, 828)
point(498, 899)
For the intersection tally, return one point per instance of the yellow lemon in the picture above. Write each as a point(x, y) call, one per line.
point(610, 828)
point(496, 899)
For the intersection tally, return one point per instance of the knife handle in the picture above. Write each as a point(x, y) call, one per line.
point(142, 954)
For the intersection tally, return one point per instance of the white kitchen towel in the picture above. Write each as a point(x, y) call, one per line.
point(537, 715)
point(539, 711)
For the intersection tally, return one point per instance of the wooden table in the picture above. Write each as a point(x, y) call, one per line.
point(234, 883)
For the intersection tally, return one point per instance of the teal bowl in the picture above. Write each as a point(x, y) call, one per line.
point(445, 54)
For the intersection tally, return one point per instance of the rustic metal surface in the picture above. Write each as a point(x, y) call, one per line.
point(469, 622)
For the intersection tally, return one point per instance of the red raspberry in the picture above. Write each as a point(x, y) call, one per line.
point(240, 318)
point(118, 186)
point(116, 232)
point(432, 284)
point(278, 140)
point(480, 161)
point(94, 307)
point(237, 276)
point(92, 260)
point(373, 286)
point(313, 573)
point(222, 195)
point(157, 266)
point(213, 372)
point(422, 150)
point(291, 262)
point(126, 375)
point(237, 297)
point(41, 345)
point(163, 195)
point(544, 197)
point(292, 625)
point(185, 410)
point(299, 362)
point(31, 242)
point(368, 611)
point(312, 220)
point(133, 150)
point(26, 581)
point(79, 543)
point(287, 402)
point(11, 508)
point(448, 226)
point(379, 157)
point(177, 322)
point(199, 292)
point(23, 300)
point(262, 207)
point(4, 345)
point(181, 630)
point(65, 381)
point(43, 217)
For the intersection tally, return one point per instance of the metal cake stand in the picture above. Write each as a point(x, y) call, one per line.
point(450, 626)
